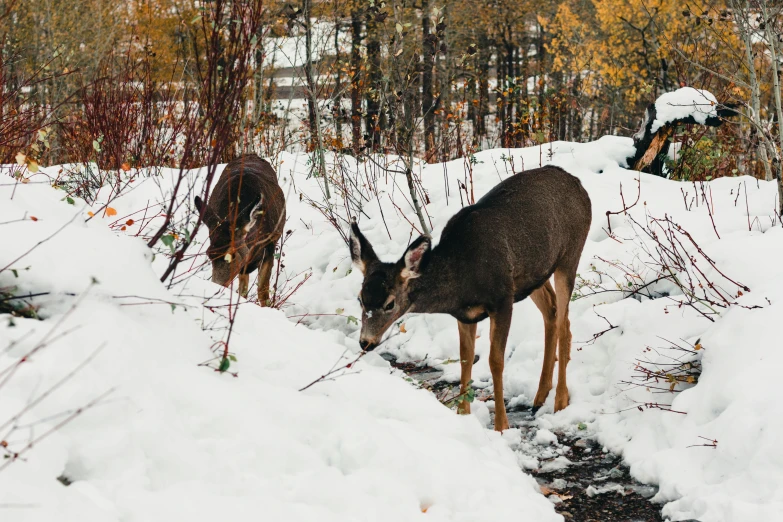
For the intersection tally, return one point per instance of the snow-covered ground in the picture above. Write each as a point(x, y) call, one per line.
point(175, 440)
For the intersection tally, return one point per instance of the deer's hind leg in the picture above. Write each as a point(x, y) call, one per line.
point(265, 273)
point(467, 349)
point(545, 300)
point(564, 287)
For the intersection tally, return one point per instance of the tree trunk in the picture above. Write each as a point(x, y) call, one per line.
point(373, 121)
point(356, 100)
point(772, 42)
point(337, 107)
point(741, 17)
point(483, 87)
point(430, 42)
point(312, 107)
point(308, 70)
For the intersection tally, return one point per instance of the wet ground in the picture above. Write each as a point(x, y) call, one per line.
point(585, 483)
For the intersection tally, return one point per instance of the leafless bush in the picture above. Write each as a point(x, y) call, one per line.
point(21, 119)
point(681, 369)
point(669, 263)
point(230, 32)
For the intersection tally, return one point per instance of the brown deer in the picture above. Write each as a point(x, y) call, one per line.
point(245, 216)
point(491, 254)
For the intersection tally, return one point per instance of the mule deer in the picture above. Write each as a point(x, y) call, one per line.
point(245, 216)
point(502, 249)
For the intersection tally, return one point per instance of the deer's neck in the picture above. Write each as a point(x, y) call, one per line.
point(435, 291)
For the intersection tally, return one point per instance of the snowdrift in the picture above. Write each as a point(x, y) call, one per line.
point(175, 440)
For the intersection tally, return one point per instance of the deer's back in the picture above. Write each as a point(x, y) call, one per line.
point(524, 228)
point(247, 177)
point(241, 183)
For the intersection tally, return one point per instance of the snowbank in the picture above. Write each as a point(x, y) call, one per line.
point(175, 441)
point(178, 440)
point(734, 402)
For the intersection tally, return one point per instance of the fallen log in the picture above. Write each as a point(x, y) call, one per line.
point(686, 106)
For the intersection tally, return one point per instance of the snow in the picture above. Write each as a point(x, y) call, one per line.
point(684, 102)
point(176, 440)
point(290, 51)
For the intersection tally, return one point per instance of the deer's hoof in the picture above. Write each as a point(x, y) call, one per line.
point(540, 398)
point(501, 426)
point(561, 401)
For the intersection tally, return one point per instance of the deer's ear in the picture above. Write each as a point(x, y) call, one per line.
point(204, 211)
point(199, 205)
point(362, 253)
point(415, 258)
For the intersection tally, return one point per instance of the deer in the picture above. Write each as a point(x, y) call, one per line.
point(528, 229)
point(245, 216)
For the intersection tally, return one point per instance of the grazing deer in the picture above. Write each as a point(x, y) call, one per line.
point(491, 254)
point(245, 216)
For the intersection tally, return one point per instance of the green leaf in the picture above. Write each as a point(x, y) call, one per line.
point(233, 358)
point(399, 28)
point(168, 240)
point(173, 307)
point(96, 145)
point(224, 365)
point(340, 311)
point(15, 272)
point(352, 319)
point(582, 426)
point(69, 200)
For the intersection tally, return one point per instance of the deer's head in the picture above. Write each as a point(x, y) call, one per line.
point(385, 294)
point(229, 238)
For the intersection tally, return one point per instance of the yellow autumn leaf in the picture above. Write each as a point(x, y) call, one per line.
point(402, 328)
point(20, 159)
point(110, 211)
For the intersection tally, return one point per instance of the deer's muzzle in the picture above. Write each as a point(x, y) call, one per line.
point(367, 346)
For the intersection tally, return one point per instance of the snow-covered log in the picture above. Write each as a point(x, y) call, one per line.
point(683, 106)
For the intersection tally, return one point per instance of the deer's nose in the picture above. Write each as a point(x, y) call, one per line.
point(367, 346)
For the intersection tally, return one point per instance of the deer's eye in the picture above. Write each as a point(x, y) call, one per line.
point(389, 305)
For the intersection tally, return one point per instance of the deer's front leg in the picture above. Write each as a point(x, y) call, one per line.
point(244, 283)
point(467, 348)
point(500, 322)
point(264, 274)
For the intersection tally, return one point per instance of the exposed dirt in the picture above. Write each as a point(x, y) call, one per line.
point(590, 486)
